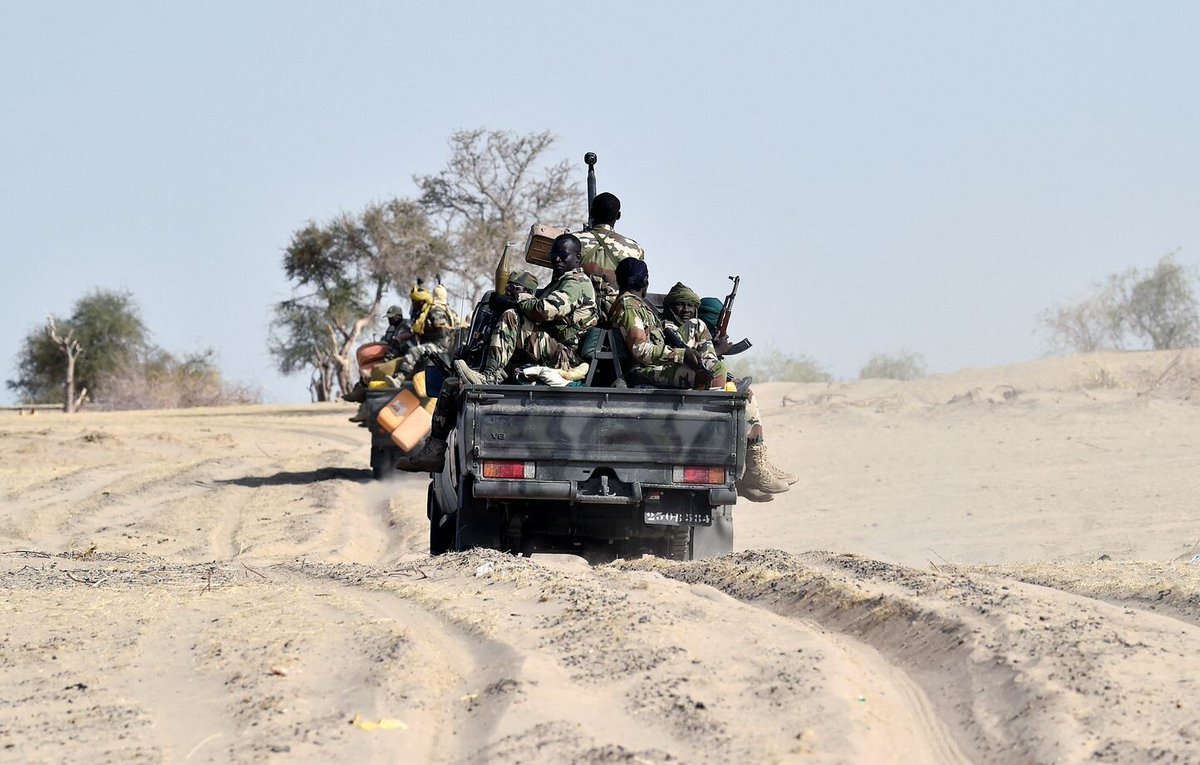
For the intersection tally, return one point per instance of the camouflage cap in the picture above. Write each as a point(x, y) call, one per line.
point(394, 310)
point(525, 279)
point(681, 293)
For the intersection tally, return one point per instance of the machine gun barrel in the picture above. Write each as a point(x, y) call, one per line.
point(590, 160)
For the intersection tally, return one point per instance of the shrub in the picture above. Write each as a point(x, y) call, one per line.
point(906, 365)
point(772, 365)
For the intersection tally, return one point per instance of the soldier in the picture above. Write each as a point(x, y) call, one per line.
point(709, 312)
point(654, 362)
point(604, 248)
point(547, 329)
point(399, 339)
point(658, 364)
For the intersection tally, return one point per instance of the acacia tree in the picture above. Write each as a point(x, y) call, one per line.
point(496, 184)
point(1154, 309)
point(107, 328)
point(342, 271)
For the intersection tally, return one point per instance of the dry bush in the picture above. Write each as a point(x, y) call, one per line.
point(906, 365)
point(773, 365)
point(164, 382)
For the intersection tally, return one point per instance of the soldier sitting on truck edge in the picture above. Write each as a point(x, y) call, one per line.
point(657, 364)
point(399, 338)
point(520, 292)
point(680, 309)
point(604, 248)
point(545, 329)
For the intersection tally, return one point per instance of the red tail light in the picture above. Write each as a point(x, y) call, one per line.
point(507, 469)
point(701, 474)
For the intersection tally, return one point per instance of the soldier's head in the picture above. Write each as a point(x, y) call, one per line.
point(681, 303)
point(606, 208)
point(520, 284)
point(633, 276)
point(564, 253)
point(440, 295)
point(710, 313)
point(395, 314)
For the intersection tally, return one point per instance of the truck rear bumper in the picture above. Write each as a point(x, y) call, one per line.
point(569, 491)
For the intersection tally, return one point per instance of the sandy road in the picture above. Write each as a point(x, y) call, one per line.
point(231, 586)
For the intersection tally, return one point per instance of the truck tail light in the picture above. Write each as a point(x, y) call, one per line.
point(701, 474)
point(507, 469)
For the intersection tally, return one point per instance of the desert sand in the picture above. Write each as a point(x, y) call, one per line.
point(993, 566)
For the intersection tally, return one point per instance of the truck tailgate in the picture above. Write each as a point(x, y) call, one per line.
point(609, 425)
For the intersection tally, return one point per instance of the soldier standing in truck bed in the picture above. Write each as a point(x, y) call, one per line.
point(604, 248)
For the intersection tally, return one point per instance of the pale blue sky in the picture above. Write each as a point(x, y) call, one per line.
point(883, 177)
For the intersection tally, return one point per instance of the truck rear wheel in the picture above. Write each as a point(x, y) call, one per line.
point(475, 526)
point(441, 531)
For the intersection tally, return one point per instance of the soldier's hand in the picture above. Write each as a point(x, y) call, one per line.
point(722, 345)
point(691, 358)
point(500, 303)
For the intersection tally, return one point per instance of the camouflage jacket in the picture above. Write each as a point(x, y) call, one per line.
point(642, 331)
point(695, 335)
point(603, 249)
point(566, 309)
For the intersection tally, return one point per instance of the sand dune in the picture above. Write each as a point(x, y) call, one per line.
point(996, 565)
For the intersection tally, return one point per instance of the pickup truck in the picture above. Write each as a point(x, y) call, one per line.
point(603, 472)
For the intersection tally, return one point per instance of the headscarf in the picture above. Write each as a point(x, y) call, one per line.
point(632, 274)
point(681, 293)
point(440, 295)
point(710, 313)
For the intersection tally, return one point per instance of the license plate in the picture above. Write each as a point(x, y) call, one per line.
point(670, 518)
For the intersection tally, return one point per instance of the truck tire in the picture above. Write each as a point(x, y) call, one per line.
point(474, 526)
point(441, 535)
point(379, 459)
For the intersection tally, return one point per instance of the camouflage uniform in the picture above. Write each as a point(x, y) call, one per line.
point(654, 363)
point(546, 329)
point(603, 249)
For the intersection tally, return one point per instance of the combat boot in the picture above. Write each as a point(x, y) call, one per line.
point(470, 375)
point(756, 476)
point(753, 495)
point(430, 458)
point(357, 394)
point(361, 415)
point(778, 472)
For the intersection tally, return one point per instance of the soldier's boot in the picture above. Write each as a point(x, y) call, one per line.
point(428, 459)
point(778, 472)
point(361, 415)
point(756, 476)
point(751, 494)
point(357, 394)
point(471, 376)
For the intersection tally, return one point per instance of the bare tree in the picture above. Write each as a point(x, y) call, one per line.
point(71, 349)
point(496, 184)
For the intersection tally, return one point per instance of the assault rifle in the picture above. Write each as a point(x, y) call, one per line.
point(723, 322)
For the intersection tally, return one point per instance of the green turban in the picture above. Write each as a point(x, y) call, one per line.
point(681, 293)
point(710, 313)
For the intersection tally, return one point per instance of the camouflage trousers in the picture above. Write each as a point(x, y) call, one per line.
point(515, 333)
